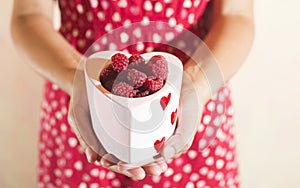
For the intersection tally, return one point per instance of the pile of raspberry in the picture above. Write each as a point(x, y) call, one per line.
point(133, 76)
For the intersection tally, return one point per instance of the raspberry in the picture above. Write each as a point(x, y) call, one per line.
point(108, 85)
point(136, 60)
point(142, 93)
point(153, 84)
point(108, 73)
point(158, 67)
point(119, 62)
point(123, 89)
point(136, 78)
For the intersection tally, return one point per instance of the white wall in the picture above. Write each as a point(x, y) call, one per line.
point(266, 97)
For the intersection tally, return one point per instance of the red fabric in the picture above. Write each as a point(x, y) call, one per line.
point(62, 162)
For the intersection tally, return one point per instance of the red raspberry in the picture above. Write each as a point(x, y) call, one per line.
point(158, 67)
point(108, 85)
point(119, 62)
point(108, 73)
point(142, 94)
point(123, 89)
point(136, 59)
point(153, 84)
point(136, 78)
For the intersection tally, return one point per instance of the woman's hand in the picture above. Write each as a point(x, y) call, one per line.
point(79, 119)
point(189, 116)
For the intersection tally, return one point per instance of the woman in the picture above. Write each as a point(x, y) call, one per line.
point(55, 55)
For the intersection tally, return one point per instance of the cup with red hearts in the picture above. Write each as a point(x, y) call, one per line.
point(133, 101)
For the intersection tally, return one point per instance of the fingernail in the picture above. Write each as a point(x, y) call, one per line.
point(164, 167)
point(88, 154)
point(169, 152)
point(126, 173)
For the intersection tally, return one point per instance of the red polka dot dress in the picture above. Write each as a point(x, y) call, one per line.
point(62, 162)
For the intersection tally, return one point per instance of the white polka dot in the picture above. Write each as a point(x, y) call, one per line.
point(46, 178)
point(211, 174)
point(137, 32)
point(49, 153)
point(200, 183)
point(201, 127)
point(179, 28)
point(104, 4)
point(116, 17)
point(220, 108)
point(167, 1)
point(158, 7)
point(155, 179)
point(219, 163)
point(116, 183)
point(149, 49)
point(191, 18)
point(140, 46)
point(147, 186)
point(196, 3)
point(78, 165)
point(95, 172)
point(58, 115)
point(110, 175)
point(104, 40)
point(177, 177)
point(112, 46)
point(72, 142)
point(187, 4)
point(203, 171)
point(127, 23)
point(145, 21)
point(148, 5)
point(68, 173)
point(124, 37)
point(101, 15)
point(202, 144)
point(230, 181)
point(86, 177)
point(66, 186)
point(192, 154)
point(169, 36)
point(82, 185)
point(108, 27)
point(94, 185)
point(156, 38)
point(169, 172)
point(187, 168)
point(205, 152)
point(134, 10)
point(229, 156)
point(122, 3)
point(79, 8)
point(209, 161)
point(94, 3)
point(211, 106)
point(194, 177)
point(219, 176)
point(172, 22)
point(102, 174)
point(209, 131)
point(169, 12)
point(189, 185)
point(167, 184)
point(178, 161)
point(206, 119)
point(57, 172)
point(222, 183)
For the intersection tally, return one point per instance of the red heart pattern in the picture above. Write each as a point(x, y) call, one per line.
point(164, 101)
point(158, 144)
point(173, 116)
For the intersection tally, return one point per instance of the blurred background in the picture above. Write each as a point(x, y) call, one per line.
point(266, 95)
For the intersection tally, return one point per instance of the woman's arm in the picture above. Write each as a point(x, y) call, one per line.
point(44, 48)
point(229, 39)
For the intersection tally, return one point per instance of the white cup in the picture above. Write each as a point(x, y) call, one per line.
point(133, 129)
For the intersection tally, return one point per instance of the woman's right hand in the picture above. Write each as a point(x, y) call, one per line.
point(79, 120)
